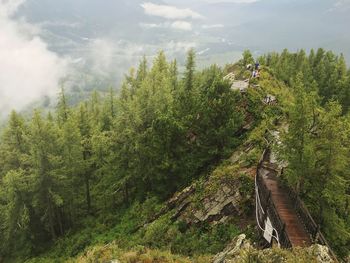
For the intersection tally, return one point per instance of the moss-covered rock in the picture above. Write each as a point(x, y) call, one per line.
point(240, 250)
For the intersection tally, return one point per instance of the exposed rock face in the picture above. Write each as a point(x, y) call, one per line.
point(179, 201)
point(321, 253)
point(240, 85)
point(223, 203)
point(240, 250)
point(227, 193)
point(215, 206)
point(215, 200)
point(232, 249)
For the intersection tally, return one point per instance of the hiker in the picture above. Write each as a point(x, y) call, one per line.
point(257, 65)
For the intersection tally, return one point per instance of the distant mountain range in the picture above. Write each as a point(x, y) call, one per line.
point(84, 45)
point(104, 38)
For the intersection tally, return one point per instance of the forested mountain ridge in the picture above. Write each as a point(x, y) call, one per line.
point(98, 172)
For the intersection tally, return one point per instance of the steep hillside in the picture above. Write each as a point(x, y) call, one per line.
point(164, 172)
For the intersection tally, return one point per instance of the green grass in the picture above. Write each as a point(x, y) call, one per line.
point(161, 235)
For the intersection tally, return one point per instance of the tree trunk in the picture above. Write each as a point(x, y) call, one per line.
point(88, 197)
point(59, 216)
point(51, 220)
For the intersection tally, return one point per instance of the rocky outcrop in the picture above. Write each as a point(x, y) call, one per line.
point(241, 250)
point(227, 193)
point(216, 200)
point(239, 243)
point(179, 202)
point(223, 203)
point(214, 205)
point(321, 253)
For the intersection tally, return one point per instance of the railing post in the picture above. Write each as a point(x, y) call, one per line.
point(284, 234)
point(283, 227)
point(267, 203)
point(294, 197)
point(268, 200)
point(264, 216)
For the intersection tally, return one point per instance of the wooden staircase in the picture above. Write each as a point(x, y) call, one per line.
point(294, 227)
point(292, 223)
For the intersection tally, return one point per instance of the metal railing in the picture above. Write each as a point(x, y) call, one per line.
point(270, 208)
point(309, 223)
point(301, 210)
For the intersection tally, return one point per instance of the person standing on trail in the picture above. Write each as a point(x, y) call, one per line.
point(257, 65)
point(257, 75)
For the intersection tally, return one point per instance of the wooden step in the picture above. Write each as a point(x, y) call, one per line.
point(294, 227)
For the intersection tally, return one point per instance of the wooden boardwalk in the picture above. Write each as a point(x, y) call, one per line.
point(296, 232)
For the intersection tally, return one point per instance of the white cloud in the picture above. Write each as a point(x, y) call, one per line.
point(179, 46)
point(60, 24)
point(234, 1)
point(342, 4)
point(104, 55)
point(107, 57)
point(191, 2)
point(101, 54)
point(152, 25)
point(169, 12)
point(9, 7)
point(212, 26)
point(28, 70)
point(177, 25)
point(182, 25)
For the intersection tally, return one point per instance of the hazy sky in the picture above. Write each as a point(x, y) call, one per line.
point(28, 69)
point(44, 41)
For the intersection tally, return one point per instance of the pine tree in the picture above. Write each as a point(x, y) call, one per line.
point(190, 69)
point(72, 165)
point(141, 72)
point(328, 188)
point(247, 58)
point(14, 145)
point(15, 193)
point(84, 123)
point(62, 108)
point(341, 82)
point(345, 96)
point(298, 141)
point(49, 182)
point(187, 104)
point(220, 117)
point(312, 57)
point(108, 112)
point(173, 71)
point(15, 186)
point(94, 108)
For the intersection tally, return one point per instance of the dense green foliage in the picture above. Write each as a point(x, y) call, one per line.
point(97, 159)
point(94, 173)
point(316, 139)
point(322, 71)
